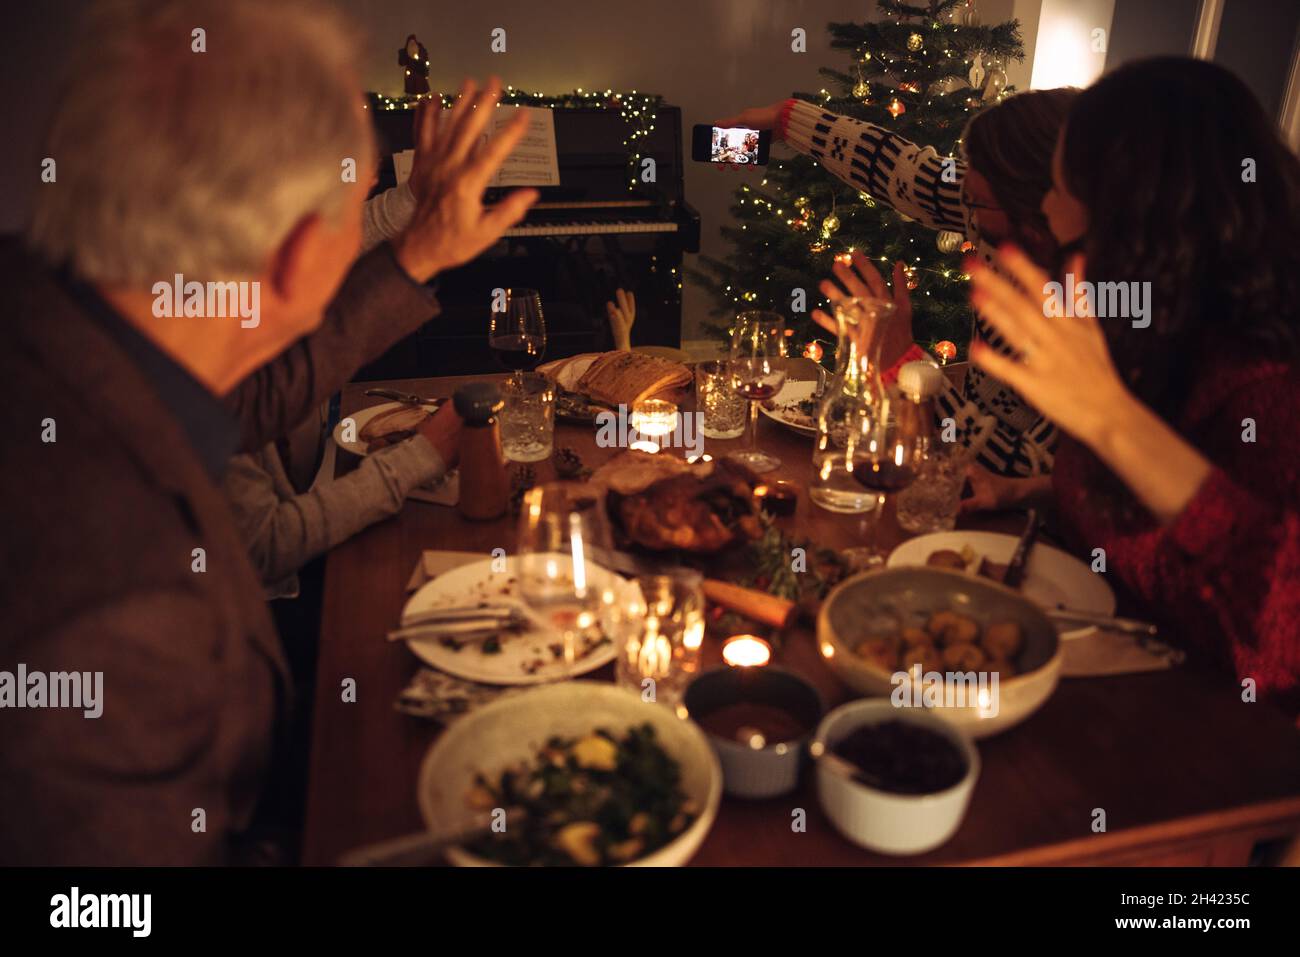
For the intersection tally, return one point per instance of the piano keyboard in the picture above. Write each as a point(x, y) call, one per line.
point(594, 228)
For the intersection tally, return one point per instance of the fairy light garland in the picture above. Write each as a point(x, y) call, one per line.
point(637, 110)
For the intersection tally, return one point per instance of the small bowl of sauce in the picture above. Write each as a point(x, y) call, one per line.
point(893, 780)
point(759, 721)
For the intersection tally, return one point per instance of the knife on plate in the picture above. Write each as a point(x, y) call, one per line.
point(1015, 573)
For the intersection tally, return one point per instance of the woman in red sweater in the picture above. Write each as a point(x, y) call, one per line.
point(1183, 409)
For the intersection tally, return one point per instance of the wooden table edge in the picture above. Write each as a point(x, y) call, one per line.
point(1271, 818)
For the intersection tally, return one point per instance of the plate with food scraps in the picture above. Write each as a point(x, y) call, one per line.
point(795, 406)
point(530, 656)
point(1053, 579)
point(381, 425)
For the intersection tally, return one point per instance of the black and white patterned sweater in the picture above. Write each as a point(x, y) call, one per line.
point(1013, 438)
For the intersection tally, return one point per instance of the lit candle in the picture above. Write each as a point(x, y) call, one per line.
point(746, 651)
point(654, 417)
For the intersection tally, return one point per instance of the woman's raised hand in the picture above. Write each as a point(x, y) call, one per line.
point(862, 279)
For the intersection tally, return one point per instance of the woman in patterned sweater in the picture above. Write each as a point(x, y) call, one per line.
point(991, 196)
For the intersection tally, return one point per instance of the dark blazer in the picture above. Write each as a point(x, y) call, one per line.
point(98, 558)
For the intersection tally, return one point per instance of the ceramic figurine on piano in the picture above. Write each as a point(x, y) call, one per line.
point(415, 58)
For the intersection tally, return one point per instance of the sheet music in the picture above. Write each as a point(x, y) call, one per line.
point(534, 161)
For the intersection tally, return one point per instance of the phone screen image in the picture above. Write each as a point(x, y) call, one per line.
point(734, 145)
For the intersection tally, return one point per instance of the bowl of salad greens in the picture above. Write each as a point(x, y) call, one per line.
point(580, 773)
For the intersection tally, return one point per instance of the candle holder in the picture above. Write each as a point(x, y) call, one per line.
point(653, 418)
point(778, 497)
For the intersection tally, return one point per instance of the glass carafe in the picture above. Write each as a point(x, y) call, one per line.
point(853, 398)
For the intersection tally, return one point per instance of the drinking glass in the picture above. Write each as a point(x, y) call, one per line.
point(528, 417)
point(517, 329)
point(561, 528)
point(882, 451)
point(758, 370)
point(722, 410)
point(657, 623)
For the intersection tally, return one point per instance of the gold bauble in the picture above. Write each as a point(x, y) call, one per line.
point(915, 42)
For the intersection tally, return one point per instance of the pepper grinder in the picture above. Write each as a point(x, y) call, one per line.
point(484, 486)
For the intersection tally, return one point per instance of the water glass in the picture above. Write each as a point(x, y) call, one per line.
point(528, 417)
point(722, 411)
point(932, 501)
point(658, 627)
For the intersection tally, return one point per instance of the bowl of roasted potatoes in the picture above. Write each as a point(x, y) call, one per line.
point(976, 652)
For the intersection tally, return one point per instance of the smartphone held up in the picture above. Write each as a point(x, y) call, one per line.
point(730, 145)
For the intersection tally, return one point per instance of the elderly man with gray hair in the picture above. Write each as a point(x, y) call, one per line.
point(214, 161)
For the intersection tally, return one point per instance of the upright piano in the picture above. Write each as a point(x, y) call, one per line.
point(590, 235)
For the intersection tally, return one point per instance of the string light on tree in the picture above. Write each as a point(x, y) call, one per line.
point(925, 100)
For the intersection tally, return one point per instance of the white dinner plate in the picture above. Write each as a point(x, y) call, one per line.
point(1053, 579)
point(357, 445)
point(516, 662)
point(783, 406)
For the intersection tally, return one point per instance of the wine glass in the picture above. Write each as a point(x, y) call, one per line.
point(561, 530)
point(882, 454)
point(517, 329)
point(757, 368)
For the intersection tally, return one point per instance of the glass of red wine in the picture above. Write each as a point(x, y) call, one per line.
point(517, 331)
point(757, 368)
point(882, 454)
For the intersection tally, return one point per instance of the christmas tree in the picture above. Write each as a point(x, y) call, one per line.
point(921, 72)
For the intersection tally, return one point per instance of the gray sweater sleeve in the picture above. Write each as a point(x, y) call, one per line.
point(284, 531)
point(386, 215)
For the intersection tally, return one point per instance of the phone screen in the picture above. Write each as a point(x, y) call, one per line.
point(734, 145)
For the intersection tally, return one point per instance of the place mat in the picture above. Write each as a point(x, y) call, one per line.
point(1102, 652)
point(432, 694)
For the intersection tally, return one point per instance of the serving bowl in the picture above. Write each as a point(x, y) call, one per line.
point(880, 603)
point(884, 821)
point(511, 729)
point(756, 767)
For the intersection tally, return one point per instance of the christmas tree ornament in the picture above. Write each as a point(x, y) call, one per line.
point(977, 73)
point(997, 82)
point(967, 246)
point(948, 241)
point(896, 108)
point(912, 281)
point(915, 42)
point(860, 89)
point(830, 224)
point(946, 351)
point(813, 351)
point(910, 86)
point(817, 247)
point(800, 202)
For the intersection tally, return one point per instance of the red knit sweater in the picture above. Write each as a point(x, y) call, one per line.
point(1225, 575)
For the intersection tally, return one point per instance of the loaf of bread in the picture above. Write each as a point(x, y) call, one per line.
point(625, 378)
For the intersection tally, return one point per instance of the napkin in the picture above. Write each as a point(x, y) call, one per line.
point(1101, 652)
point(443, 492)
point(432, 694)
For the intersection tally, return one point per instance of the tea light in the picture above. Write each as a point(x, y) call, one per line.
point(777, 498)
point(746, 651)
point(654, 417)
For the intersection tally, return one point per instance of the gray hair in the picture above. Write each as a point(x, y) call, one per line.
point(171, 160)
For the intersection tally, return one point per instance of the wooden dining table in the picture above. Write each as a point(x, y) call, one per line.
point(1183, 770)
